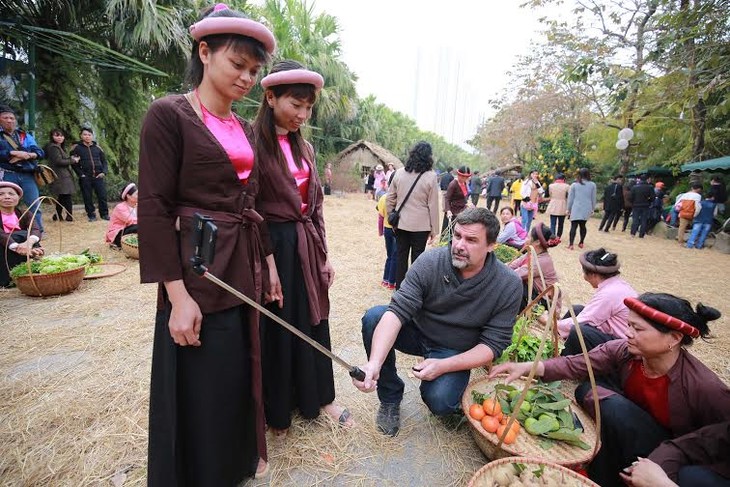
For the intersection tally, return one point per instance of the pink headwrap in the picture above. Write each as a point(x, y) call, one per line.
point(127, 189)
point(294, 76)
point(233, 25)
point(8, 184)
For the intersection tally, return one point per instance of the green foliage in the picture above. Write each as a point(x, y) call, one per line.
point(547, 415)
point(525, 343)
point(556, 155)
point(505, 253)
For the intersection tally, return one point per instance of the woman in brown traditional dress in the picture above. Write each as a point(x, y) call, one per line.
point(296, 376)
point(206, 410)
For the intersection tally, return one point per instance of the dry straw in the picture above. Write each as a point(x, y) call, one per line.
point(74, 372)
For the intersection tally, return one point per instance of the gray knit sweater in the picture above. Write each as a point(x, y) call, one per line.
point(457, 313)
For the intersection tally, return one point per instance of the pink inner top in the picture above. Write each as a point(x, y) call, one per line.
point(301, 176)
point(231, 136)
point(10, 222)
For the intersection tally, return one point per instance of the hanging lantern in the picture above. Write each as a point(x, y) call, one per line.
point(626, 134)
point(622, 144)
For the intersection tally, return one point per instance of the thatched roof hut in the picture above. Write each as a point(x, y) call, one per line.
point(350, 166)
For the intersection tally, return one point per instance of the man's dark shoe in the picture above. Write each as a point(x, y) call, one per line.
point(92, 218)
point(388, 418)
point(105, 217)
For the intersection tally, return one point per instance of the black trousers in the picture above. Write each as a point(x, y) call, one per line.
point(640, 220)
point(627, 215)
point(64, 203)
point(493, 203)
point(609, 216)
point(592, 337)
point(627, 432)
point(90, 185)
point(409, 244)
point(574, 225)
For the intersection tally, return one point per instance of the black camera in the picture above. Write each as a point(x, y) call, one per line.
point(204, 238)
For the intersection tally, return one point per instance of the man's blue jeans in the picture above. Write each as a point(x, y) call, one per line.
point(442, 395)
point(699, 235)
point(30, 191)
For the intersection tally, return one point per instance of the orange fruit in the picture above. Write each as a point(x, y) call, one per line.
point(515, 426)
point(491, 407)
point(490, 424)
point(511, 436)
point(476, 411)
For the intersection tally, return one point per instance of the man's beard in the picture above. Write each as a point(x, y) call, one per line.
point(459, 264)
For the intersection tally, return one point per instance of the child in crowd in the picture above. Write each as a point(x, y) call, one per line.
point(386, 231)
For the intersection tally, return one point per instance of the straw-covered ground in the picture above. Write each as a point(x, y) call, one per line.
point(74, 370)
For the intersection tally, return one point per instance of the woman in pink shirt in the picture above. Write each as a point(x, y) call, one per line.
point(124, 217)
point(296, 376)
point(16, 243)
point(604, 317)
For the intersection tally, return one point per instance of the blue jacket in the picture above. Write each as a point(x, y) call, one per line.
point(706, 213)
point(25, 142)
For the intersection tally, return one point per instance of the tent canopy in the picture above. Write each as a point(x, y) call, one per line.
point(721, 164)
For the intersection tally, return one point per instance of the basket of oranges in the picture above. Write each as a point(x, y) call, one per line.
point(545, 425)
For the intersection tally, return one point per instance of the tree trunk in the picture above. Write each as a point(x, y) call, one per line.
point(699, 110)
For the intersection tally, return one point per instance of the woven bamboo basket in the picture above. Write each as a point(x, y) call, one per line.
point(479, 478)
point(130, 250)
point(39, 285)
point(528, 445)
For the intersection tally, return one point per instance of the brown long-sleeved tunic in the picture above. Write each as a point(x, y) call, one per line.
point(183, 169)
point(279, 200)
point(455, 198)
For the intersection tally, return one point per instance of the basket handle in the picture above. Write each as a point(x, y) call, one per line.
point(533, 370)
point(555, 290)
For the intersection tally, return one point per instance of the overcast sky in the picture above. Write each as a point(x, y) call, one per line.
point(438, 62)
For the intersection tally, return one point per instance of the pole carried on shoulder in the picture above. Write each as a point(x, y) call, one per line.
point(204, 234)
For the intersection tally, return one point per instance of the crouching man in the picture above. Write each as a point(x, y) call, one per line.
point(456, 308)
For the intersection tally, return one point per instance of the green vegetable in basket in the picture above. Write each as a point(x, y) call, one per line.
point(505, 253)
point(131, 239)
point(52, 264)
point(525, 343)
point(545, 412)
point(93, 257)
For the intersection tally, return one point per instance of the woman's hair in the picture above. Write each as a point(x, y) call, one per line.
point(507, 208)
point(420, 158)
point(583, 175)
point(682, 310)
point(265, 125)
point(602, 258)
point(547, 234)
point(237, 42)
point(57, 131)
point(560, 175)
